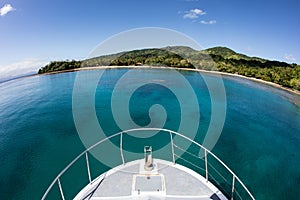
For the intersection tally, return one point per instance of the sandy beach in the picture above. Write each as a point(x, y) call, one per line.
point(292, 91)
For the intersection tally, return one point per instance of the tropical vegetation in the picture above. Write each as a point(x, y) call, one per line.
point(215, 59)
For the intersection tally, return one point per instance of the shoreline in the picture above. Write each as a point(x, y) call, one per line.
point(275, 85)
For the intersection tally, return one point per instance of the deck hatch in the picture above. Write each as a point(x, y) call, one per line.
point(148, 183)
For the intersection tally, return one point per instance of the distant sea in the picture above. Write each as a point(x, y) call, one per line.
point(259, 142)
point(9, 78)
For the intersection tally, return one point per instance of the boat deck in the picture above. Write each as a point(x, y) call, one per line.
point(165, 181)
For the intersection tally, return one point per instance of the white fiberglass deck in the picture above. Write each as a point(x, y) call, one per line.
point(165, 181)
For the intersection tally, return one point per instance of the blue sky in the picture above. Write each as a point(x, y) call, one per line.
point(34, 32)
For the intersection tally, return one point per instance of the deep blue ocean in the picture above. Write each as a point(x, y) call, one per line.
point(38, 138)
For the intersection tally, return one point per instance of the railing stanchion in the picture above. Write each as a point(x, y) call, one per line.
point(88, 166)
point(206, 166)
point(60, 189)
point(232, 189)
point(172, 146)
point(121, 148)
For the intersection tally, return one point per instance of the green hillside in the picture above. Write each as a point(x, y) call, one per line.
point(230, 54)
point(220, 59)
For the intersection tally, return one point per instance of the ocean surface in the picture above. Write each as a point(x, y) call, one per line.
point(38, 137)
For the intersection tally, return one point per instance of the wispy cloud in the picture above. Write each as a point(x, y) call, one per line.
point(210, 22)
point(21, 68)
point(290, 57)
point(193, 13)
point(249, 49)
point(6, 9)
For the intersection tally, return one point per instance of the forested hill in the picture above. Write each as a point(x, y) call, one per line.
point(217, 59)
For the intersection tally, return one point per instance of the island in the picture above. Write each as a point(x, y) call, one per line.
point(221, 59)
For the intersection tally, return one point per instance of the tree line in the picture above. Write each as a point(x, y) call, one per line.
point(217, 59)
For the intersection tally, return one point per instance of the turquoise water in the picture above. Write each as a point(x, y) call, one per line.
point(259, 142)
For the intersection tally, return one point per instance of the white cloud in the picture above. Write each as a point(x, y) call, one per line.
point(290, 58)
point(208, 22)
point(6, 9)
point(193, 13)
point(21, 68)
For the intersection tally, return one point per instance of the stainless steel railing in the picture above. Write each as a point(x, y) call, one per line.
point(234, 180)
